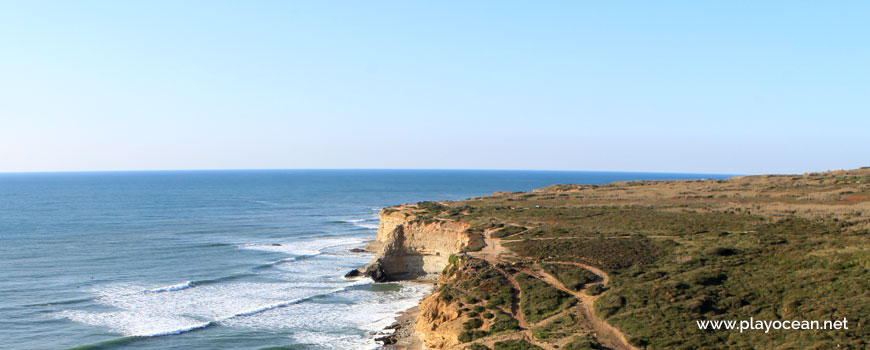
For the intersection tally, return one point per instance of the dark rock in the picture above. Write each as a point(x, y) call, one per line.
point(276, 245)
point(376, 272)
point(358, 250)
point(353, 273)
point(387, 340)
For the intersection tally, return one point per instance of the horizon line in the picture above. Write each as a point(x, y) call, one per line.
point(352, 169)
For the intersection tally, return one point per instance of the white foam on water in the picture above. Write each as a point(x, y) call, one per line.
point(308, 297)
point(150, 314)
point(305, 248)
point(368, 311)
point(172, 288)
point(131, 323)
point(331, 340)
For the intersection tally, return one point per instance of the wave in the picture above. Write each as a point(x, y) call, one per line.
point(221, 279)
point(62, 302)
point(252, 311)
point(304, 249)
point(286, 260)
point(214, 245)
point(107, 344)
point(281, 304)
point(180, 330)
point(162, 314)
point(172, 288)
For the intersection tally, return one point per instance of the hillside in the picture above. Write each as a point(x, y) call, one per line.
point(635, 265)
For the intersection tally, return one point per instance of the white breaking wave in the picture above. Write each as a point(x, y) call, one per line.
point(172, 288)
point(160, 314)
point(346, 321)
point(305, 248)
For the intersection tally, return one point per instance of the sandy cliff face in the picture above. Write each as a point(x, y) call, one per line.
point(412, 249)
point(439, 323)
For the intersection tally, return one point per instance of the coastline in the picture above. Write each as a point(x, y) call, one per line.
point(406, 336)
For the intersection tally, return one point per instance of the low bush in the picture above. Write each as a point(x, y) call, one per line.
point(515, 345)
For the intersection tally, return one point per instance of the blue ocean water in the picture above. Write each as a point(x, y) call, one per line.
point(215, 259)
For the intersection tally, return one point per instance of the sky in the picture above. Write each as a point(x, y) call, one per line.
point(736, 87)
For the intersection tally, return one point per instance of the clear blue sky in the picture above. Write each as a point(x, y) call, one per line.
point(682, 86)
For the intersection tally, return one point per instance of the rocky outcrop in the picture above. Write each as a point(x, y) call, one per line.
point(439, 322)
point(414, 249)
point(376, 272)
point(409, 248)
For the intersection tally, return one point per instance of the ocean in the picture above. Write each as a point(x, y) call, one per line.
point(215, 259)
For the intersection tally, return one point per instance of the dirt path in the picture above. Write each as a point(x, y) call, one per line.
point(510, 239)
point(607, 334)
point(517, 308)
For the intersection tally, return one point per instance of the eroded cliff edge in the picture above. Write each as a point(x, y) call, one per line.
point(411, 248)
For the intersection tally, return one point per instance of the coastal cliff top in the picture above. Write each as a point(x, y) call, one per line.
point(772, 247)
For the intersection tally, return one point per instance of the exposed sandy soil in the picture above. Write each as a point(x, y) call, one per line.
point(608, 335)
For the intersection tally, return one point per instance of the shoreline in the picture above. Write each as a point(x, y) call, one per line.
point(405, 336)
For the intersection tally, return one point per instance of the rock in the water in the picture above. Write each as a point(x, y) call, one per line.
point(387, 340)
point(352, 273)
point(376, 272)
point(358, 250)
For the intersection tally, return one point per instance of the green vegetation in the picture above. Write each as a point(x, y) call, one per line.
point(611, 254)
point(475, 242)
point(504, 322)
point(516, 345)
point(477, 281)
point(477, 346)
point(573, 277)
point(540, 300)
point(595, 289)
point(560, 327)
point(507, 231)
point(583, 343)
point(430, 209)
point(791, 269)
point(766, 247)
point(472, 323)
point(472, 335)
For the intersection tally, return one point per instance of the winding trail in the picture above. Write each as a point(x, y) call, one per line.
point(607, 334)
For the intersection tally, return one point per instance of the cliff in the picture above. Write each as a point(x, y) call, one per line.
point(409, 248)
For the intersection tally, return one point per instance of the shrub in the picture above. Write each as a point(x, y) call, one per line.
point(583, 343)
point(504, 322)
point(595, 289)
point(573, 277)
point(471, 335)
point(540, 300)
point(477, 346)
point(472, 324)
point(515, 345)
point(507, 231)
